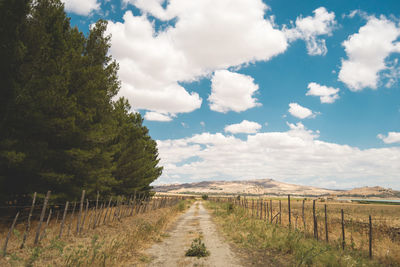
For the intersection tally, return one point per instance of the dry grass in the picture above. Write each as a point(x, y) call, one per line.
point(272, 245)
point(119, 243)
point(385, 221)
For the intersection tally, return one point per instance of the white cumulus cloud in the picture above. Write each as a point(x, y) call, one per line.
point(199, 41)
point(367, 51)
point(155, 116)
point(292, 156)
point(326, 94)
point(391, 138)
point(245, 126)
point(232, 91)
point(80, 7)
point(300, 112)
point(310, 28)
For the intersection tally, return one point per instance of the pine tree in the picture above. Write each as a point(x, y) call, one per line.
point(12, 20)
point(137, 156)
point(60, 128)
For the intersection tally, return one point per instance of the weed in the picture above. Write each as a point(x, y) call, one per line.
point(17, 233)
point(144, 259)
point(197, 249)
point(95, 247)
point(34, 256)
point(15, 260)
point(57, 244)
point(165, 235)
point(181, 205)
point(229, 207)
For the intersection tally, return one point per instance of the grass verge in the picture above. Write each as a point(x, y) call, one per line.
point(116, 244)
point(281, 246)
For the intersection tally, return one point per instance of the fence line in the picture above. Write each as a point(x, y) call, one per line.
point(270, 217)
point(99, 212)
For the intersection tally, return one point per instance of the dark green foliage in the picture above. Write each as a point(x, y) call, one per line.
point(60, 128)
point(197, 249)
point(137, 157)
point(205, 197)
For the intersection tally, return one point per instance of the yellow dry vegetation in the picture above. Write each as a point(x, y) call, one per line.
point(117, 243)
point(385, 224)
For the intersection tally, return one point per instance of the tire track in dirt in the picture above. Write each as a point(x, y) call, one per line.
point(192, 224)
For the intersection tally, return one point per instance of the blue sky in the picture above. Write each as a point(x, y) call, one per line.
point(251, 89)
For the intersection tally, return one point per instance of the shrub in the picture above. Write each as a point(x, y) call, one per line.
point(197, 249)
point(181, 205)
point(229, 207)
point(205, 197)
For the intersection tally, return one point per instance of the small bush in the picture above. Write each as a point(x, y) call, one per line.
point(229, 207)
point(197, 249)
point(204, 197)
point(181, 205)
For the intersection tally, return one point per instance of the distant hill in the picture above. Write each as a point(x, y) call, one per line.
point(272, 187)
point(375, 191)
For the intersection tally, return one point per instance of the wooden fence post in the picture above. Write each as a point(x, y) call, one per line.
point(289, 212)
point(115, 210)
point(120, 207)
point(95, 212)
point(9, 234)
point(90, 218)
point(304, 220)
point(28, 223)
point(58, 214)
point(343, 236)
point(315, 222)
point(370, 237)
point(265, 210)
point(71, 218)
point(110, 213)
point(63, 219)
point(270, 207)
point(134, 203)
point(78, 224)
point(42, 217)
point(280, 212)
point(326, 226)
point(47, 224)
point(257, 209)
point(108, 207)
point(98, 221)
point(84, 216)
point(252, 208)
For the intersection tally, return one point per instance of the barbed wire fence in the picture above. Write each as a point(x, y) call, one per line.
point(74, 217)
point(320, 222)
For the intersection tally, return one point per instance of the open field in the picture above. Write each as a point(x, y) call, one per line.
point(385, 223)
point(118, 242)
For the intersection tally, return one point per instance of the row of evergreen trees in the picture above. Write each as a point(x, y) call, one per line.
point(61, 128)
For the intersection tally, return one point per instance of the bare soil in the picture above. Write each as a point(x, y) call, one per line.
point(196, 222)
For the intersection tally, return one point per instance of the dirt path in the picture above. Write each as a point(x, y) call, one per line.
point(196, 221)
